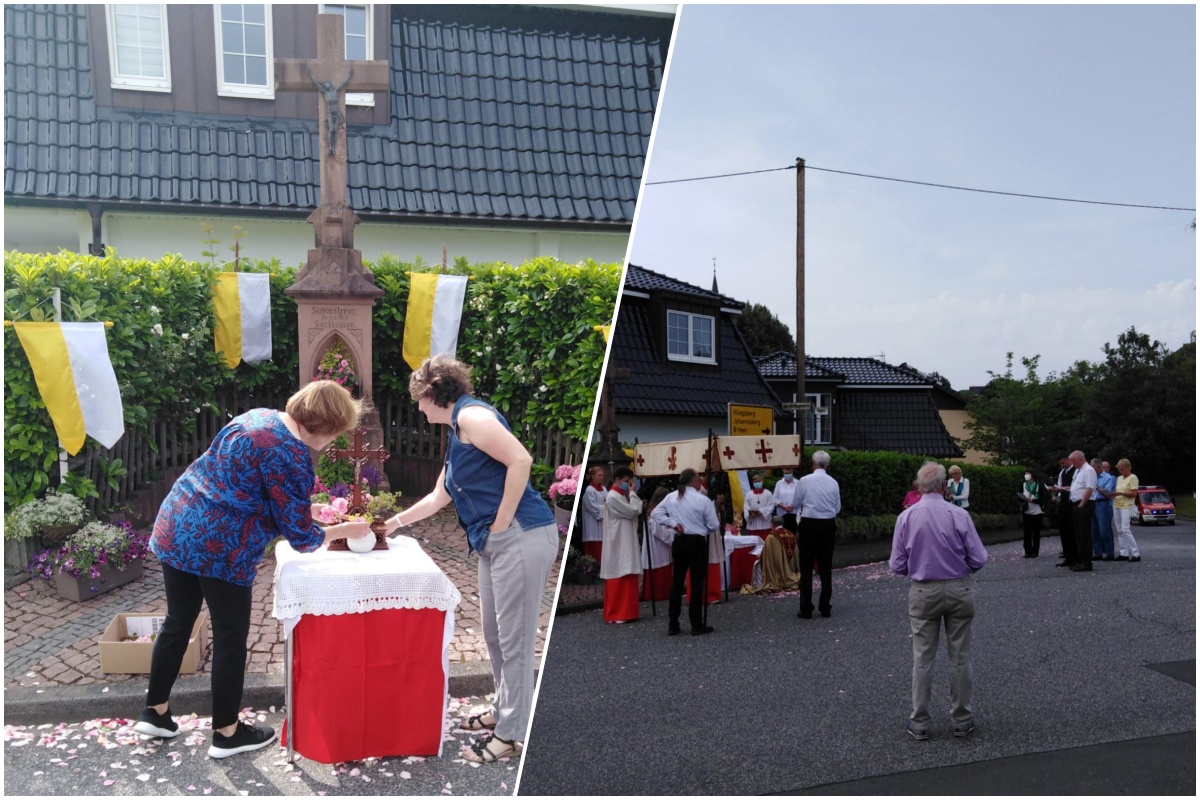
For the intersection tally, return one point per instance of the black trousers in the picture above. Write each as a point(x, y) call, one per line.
point(229, 608)
point(815, 540)
point(1081, 521)
point(690, 554)
point(1032, 523)
point(1066, 531)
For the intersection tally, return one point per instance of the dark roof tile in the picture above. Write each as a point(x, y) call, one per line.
point(561, 92)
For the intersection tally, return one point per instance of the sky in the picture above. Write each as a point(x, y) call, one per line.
point(1086, 102)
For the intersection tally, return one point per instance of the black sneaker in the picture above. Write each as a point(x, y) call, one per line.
point(151, 723)
point(1134, 559)
point(964, 730)
point(246, 738)
point(702, 630)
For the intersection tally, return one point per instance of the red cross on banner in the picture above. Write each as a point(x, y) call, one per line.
point(758, 452)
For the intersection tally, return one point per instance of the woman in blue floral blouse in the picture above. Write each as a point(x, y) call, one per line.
point(251, 485)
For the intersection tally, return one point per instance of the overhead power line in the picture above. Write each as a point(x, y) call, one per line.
point(923, 183)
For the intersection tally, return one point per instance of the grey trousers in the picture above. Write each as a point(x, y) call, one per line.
point(930, 604)
point(514, 566)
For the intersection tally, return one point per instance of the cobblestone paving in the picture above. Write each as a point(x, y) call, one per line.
point(49, 641)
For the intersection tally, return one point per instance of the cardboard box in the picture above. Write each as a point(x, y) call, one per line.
point(119, 656)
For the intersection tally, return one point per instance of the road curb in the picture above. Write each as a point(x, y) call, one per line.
point(191, 694)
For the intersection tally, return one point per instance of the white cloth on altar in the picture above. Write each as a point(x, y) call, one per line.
point(733, 542)
point(326, 583)
point(620, 554)
point(592, 503)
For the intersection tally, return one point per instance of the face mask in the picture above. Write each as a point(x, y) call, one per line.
point(787, 478)
point(1028, 477)
point(758, 484)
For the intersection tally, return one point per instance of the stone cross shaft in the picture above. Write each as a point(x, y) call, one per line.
point(358, 454)
point(331, 76)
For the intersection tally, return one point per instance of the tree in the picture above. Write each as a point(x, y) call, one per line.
point(1008, 418)
point(763, 332)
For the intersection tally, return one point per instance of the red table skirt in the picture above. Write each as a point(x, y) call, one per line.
point(714, 584)
point(593, 549)
point(368, 684)
point(741, 567)
point(659, 579)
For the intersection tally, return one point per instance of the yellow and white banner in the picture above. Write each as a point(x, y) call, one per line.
point(739, 487)
point(431, 323)
point(76, 379)
point(242, 331)
point(670, 458)
point(757, 452)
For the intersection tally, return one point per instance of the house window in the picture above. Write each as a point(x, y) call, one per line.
point(690, 337)
point(817, 427)
point(359, 41)
point(245, 67)
point(137, 47)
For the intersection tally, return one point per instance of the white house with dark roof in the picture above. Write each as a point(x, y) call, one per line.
point(686, 359)
point(507, 132)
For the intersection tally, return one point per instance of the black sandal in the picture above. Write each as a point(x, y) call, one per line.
point(475, 722)
point(481, 752)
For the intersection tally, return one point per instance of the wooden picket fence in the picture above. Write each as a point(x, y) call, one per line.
point(158, 453)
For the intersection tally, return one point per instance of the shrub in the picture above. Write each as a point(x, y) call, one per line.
point(52, 511)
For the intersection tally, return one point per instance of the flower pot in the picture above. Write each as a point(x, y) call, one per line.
point(85, 588)
point(19, 552)
point(562, 516)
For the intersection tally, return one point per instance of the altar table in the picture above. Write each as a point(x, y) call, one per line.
point(368, 648)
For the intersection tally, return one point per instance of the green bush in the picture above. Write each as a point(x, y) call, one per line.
point(527, 331)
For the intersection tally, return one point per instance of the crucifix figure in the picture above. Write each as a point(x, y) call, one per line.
point(358, 454)
point(331, 76)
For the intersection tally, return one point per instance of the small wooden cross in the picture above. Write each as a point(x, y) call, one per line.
point(358, 454)
point(331, 76)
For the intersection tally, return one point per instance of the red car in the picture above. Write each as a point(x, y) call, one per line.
point(1154, 506)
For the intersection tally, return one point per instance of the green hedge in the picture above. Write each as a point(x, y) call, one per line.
point(527, 331)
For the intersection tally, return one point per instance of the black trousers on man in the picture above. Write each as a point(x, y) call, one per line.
point(1066, 531)
point(1081, 521)
point(689, 554)
point(1032, 526)
point(815, 540)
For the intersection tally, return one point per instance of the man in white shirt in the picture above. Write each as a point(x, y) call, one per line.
point(819, 501)
point(1083, 491)
point(693, 517)
point(785, 499)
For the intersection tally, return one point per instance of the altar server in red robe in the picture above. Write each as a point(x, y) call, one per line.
point(656, 553)
point(592, 510)
point(621, 562)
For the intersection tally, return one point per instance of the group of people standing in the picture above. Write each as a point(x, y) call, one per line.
point(1092, 504)
point(682, 538)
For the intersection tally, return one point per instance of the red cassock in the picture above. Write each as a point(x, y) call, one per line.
point(621, 598)
point(714, 584)
point(658, 580)
point(368, 684)
point(593, 549)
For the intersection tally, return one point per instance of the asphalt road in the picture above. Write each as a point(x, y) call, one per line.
point(106, 758)
point(1084, 683)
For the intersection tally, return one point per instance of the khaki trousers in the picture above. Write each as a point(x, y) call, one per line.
point(513, 568)
point(930, 605)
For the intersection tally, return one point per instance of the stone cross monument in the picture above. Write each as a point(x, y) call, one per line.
point(334, 293)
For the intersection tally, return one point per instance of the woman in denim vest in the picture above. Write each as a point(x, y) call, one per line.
point(486, 476)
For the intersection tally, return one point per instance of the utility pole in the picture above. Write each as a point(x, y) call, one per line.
point(802, 410)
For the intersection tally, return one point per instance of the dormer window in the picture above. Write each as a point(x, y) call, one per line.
point(690, 337)
point(137, 47)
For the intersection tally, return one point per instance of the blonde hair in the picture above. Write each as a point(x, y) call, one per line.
point(1124, 462)
point(324, 407)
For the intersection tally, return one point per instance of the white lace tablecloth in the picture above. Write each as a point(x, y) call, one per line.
point(733, 542)
point(326, 583)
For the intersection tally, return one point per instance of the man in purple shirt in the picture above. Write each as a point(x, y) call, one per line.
point(936, 546)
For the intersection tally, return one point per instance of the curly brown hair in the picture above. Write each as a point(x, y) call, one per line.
point(441, 378)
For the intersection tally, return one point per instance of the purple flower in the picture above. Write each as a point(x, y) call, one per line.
point(371, 474)
point(339, 490)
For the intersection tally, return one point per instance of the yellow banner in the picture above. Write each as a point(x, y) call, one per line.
point(418, 320)
point(227, 328)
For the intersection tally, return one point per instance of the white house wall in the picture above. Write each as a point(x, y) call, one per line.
point(151, 236)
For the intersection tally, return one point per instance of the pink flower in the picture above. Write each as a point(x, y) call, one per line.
point(327, 515)
point(340, 504)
